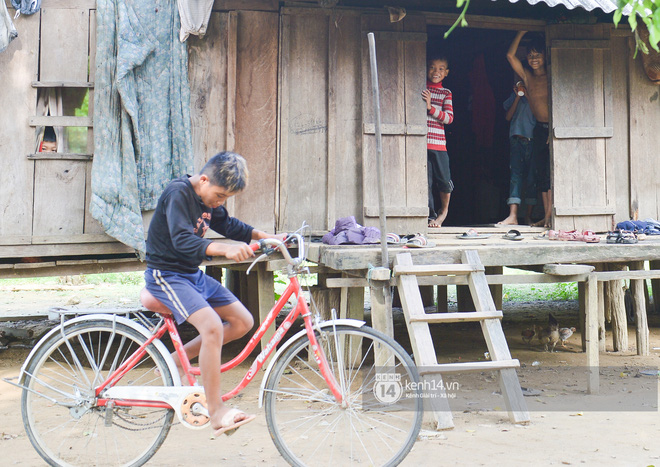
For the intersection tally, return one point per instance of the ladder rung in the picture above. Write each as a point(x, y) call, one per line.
point(466, 316)
point(469, 366)
point(436, 270)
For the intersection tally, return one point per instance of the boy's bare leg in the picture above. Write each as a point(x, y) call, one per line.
point(237, 321)
point(547, 204)
point(512, 219)
point(528, 217)
point(444, 208)
point(211, 330)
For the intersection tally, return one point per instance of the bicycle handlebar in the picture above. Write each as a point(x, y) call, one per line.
point(281, 246)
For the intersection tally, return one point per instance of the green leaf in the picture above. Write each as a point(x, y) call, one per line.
point(617, 17)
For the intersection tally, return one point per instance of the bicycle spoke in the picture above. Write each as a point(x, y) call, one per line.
point(77, 435)
point(310, 429)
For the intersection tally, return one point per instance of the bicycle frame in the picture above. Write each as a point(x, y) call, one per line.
point(300, 309)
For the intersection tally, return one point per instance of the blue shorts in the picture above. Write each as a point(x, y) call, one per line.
point(184, 294)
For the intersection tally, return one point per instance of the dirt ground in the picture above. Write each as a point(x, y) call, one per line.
point(619, 427)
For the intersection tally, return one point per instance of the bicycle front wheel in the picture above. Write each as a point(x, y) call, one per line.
point(380, 416)
point(60, 414)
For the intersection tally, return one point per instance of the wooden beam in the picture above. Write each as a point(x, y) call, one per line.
point(591, 331)
point(60, 156)
point(398, 36)
point(585, 211)
point(469, 366)
point(62, 84)
point(397, 211)
point(50, 120)
point(580, 44)
point(459, 317)
point(583, 132)
point(435, 270)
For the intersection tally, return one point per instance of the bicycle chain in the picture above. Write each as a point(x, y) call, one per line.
point(145, 427)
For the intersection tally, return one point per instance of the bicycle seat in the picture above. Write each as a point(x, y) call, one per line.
point(151, 303)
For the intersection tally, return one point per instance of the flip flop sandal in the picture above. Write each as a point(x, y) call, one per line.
point(229, 427)
point(621, 236)
point(513, 235)
point(393, 239)
point(472, 234)
point(543, 236)
point(419, 241)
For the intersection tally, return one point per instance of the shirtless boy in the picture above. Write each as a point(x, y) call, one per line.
point(536, 81)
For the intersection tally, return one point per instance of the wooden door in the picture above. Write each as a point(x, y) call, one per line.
point(581, 118)
point(401, 59)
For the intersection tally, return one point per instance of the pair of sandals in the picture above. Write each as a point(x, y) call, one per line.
point(621, 237)
point(414, 241)
point(587, 236)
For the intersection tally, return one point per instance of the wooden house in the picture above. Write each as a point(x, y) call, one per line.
point(287, 84)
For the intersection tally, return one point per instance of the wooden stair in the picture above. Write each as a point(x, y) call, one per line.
point(418, 321)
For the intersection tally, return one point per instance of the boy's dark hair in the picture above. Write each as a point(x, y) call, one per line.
point(228, 170)
point(49, 135)
point(536, 44)
point(439, 56)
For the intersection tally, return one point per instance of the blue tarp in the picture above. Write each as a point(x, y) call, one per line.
point(142, 128)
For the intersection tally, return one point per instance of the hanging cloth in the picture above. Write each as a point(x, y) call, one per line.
point(7, 30)
point(25, 7)
point(194, 16)
point(142, 127)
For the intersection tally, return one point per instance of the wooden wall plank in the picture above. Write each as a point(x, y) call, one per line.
point(415, 76)
point(207, 72)
point(59, 197)
point(303, 154)
point(618, 145)
point(347, 117)
point(16, 138)
point(256, 115)
point(64, 30)
point(644, 142)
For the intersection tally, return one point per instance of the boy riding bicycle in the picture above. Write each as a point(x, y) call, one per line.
point(188, 207)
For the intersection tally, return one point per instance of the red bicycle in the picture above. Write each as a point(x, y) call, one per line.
point(102, 389)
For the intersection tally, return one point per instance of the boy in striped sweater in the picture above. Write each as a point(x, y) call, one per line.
point(439, 112)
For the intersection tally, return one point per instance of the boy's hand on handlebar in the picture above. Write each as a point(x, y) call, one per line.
point(239, 252)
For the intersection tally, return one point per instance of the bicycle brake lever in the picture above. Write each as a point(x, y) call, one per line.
point(259, 258)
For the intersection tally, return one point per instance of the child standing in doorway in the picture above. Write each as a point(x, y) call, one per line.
point(439, 112)
point(536, 81)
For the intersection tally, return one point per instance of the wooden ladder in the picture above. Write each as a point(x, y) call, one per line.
point(418, 321)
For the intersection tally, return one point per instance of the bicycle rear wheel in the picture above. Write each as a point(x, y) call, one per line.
point(382, 414)
point(59, 409)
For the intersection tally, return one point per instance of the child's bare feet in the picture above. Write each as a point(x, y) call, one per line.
point(438, 221)
point(511, 220)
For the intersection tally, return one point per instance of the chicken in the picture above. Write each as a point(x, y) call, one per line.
point(564, 334)
point(550, 334)
point(527, 335)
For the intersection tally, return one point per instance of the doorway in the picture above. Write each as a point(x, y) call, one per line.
point(480, 79)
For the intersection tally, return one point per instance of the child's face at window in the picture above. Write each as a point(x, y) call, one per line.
point(213, 195)
point(438, 70)
point(49, 146)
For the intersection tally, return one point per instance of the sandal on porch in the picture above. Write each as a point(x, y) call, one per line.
point(513, 234)
point(589, 236)
point(621, 236)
